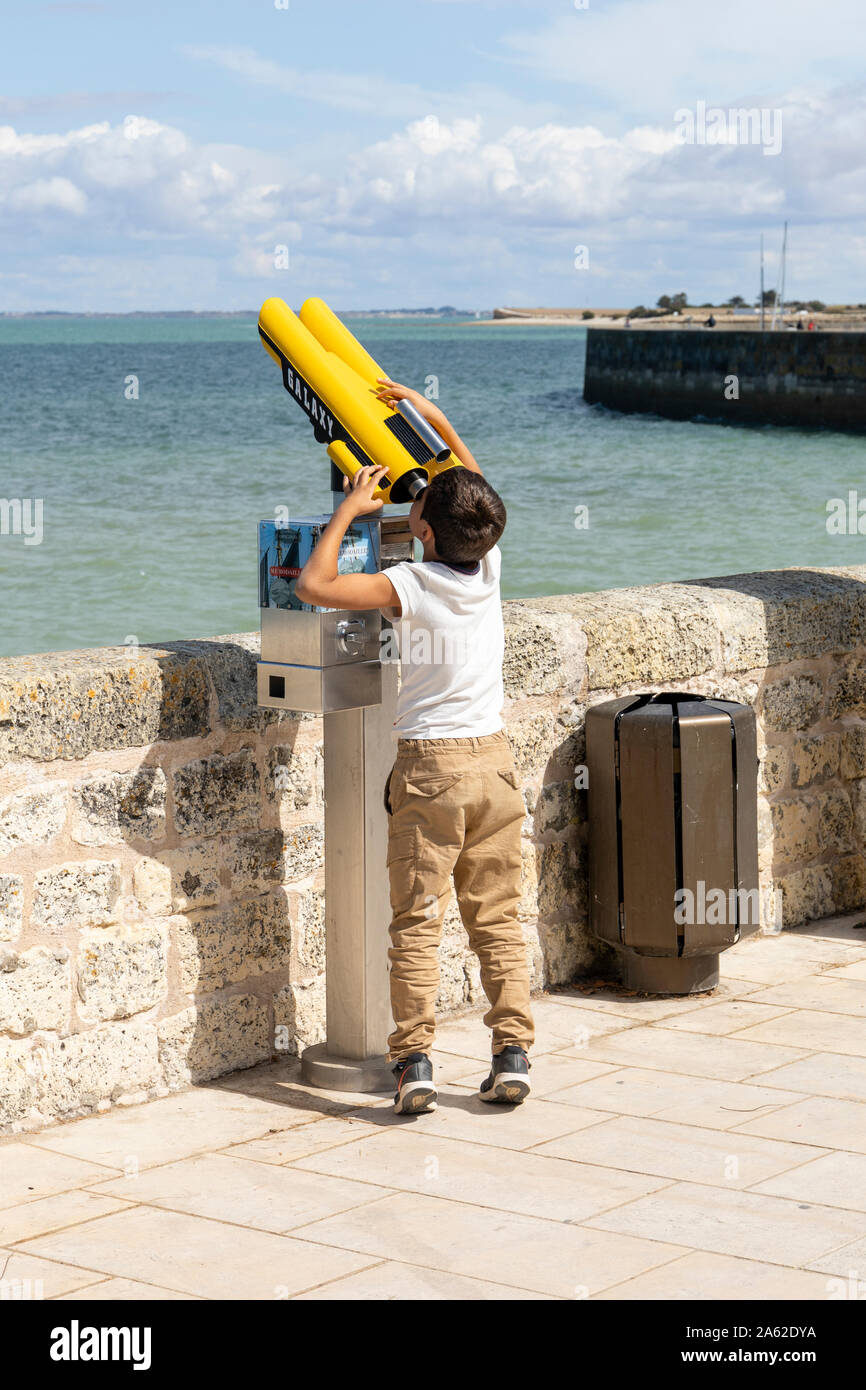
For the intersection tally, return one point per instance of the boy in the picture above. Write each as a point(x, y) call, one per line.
point(453, 798)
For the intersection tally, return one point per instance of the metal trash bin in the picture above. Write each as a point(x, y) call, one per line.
point(673, 837)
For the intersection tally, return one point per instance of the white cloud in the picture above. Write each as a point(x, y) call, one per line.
point(440, 210)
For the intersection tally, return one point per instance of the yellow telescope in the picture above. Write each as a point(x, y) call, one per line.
point(334, 381)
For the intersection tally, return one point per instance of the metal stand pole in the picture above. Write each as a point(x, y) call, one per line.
point(360, 747)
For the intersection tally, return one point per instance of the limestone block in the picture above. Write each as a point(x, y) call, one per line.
point(815, 759)
point(70, 704)
point(180, 879)
point(807, 894)
point(35, 990)
point(847, 690)
point(215, 1037)
point(305, 851)
point(81, 894)
point(646, 636)
point(121, 971)
point(299, 1014)
point(310, 932)
point(545, 649)
point(32, 816)
point(853, 757)
point(255, 860)
point(11, 906)
point(18, 1087)
point(295, 777)
point(112, 807)
point(217, 793)
point(221, 946)
point(794, 702)
point(100, 1064)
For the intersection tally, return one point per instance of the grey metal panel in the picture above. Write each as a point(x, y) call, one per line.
point(321, 689)
point(646, 761)
point(707, 817)
point(602, 804)
point(301, 638)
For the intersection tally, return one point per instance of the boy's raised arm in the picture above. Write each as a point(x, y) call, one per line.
point(319, 581)
point(392, 391)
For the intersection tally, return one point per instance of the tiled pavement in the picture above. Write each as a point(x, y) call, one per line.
point(673, 1149)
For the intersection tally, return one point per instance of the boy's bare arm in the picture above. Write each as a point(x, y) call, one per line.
point(392, 391)
point(321, 584)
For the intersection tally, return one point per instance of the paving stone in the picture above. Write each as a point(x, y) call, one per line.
point(197, 1256)
point(723, 1019)
point(837, 1124)
point(521, 1251)
point(822, 1032)
point(703, 1277)
point(678, 1152)
point(833, 1180)
point(401, 1282)
point(25, 1277)
point(414, 1160)
point(171, 1128)
point(831, 994)
point(461, 1114)
point(724, 1059)
point(28, 1173)
point(734, 1223)
point(686, 1099)
point(262, 1196)
point(53, 1214)
point(124, 1291)
point(843, 1078)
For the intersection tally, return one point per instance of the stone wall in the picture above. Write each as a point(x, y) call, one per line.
point(161, 838)
point(781, 378)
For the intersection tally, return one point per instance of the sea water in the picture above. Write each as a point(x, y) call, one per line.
point(156, 445)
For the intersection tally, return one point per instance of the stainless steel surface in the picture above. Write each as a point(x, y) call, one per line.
point(360, 747)
point(396, 540)
point(425, 431)
point(300, 638)
point(319, 689)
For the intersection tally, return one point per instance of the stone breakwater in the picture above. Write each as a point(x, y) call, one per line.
point(161, 838)
point(739, 376)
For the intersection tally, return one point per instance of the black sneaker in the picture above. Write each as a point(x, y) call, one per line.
point(415, 1090)
point(508, 1082)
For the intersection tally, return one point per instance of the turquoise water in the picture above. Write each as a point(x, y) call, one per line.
point(150, 506)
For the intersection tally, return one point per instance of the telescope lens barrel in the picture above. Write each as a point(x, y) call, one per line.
point(434, 441)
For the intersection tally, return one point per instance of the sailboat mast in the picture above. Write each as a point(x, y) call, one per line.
point(762, 282)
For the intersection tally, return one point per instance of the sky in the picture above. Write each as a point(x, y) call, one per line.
point(204, 154)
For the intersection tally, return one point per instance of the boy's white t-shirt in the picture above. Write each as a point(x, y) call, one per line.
point(451, 642)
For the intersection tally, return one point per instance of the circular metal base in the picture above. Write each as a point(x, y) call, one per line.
point(321, 1068)
point(669, 974)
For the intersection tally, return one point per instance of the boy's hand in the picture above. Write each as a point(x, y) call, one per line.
point(390, 392)
point(360, 488)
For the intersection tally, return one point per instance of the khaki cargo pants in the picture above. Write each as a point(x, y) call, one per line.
point(455, 805)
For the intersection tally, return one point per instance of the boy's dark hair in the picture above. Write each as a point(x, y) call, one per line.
point(465, 514)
